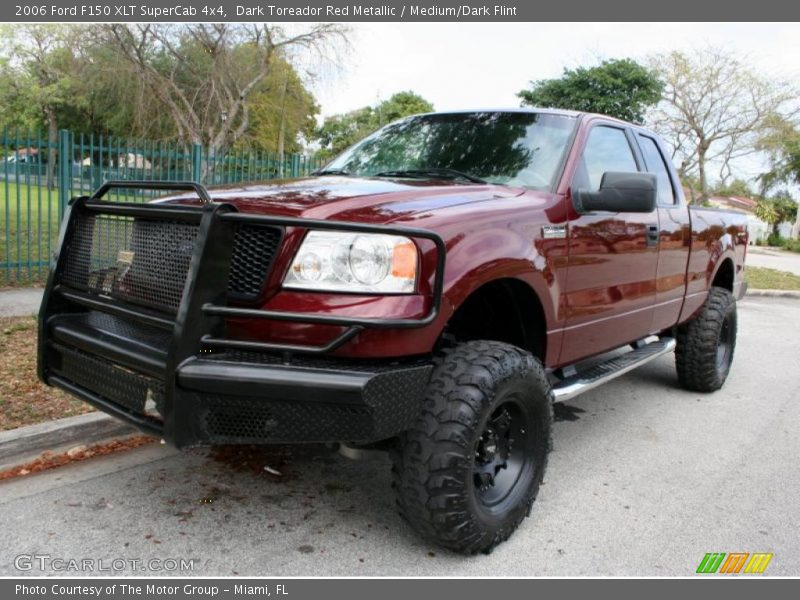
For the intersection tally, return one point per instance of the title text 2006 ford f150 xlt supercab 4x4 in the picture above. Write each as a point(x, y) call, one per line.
point(432, 291)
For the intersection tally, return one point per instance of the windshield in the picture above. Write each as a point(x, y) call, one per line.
point(509, 148)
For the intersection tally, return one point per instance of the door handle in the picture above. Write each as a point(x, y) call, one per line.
point(652, 235)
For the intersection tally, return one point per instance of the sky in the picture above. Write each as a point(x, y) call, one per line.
point(469, 65)
point(484, 65)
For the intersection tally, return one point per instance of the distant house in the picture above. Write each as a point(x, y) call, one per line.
point(734, 203)
point(131, 161)
point(25, 156)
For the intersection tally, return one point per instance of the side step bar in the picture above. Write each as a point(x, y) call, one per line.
point(583, 381)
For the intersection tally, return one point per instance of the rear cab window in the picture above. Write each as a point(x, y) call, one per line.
point(656, 164)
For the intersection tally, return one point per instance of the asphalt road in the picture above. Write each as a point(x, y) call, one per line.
point(644, 480)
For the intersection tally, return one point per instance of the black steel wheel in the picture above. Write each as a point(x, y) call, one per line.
point(469, 470)
point(504, 455)
point(725, 344)
point(706, 343)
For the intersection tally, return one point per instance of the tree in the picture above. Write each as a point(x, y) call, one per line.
point(737, 187)
point(204, 75)
point(112, 100)
point(619, 88)
point(781, 142)
point(281, 110)
point(401, 104)
point(44, 75)
point(776, 210)
point(713, 110)
point(81, 79)
point(339, 132)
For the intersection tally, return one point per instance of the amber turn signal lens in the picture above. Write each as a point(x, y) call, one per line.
point(404, 261)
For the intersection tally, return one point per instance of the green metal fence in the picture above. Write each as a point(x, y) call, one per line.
point(35, 183)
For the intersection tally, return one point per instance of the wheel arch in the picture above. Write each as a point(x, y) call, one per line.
point(724, 275)
point(504, 309)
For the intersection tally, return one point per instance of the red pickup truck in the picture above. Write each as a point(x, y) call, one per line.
point(431, 292)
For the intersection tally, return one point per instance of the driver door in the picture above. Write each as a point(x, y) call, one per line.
point(612, 257)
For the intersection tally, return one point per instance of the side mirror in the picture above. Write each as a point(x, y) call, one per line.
point(619, 192)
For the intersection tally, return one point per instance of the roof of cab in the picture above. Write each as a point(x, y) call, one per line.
point(549, 111)
point(574, 114)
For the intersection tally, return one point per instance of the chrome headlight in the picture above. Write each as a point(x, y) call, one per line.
point(354, 262)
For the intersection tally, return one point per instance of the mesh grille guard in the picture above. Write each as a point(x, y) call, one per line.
point(132, 260)
point(137, 263)
point(171, 240)
point(174, 268)
point(145, 261)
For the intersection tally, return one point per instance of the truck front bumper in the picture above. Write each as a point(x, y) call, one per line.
point(244, 399)
point(133, 321)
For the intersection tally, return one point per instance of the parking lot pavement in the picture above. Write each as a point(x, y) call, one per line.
point(773, 259)
point(644, 480)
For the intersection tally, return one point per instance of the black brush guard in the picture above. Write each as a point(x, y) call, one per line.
point(133, 322)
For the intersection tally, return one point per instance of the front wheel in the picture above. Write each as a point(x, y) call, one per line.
point(705, 344)
point(467, 473)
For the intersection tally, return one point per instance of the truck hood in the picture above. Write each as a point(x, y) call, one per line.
point(364, 200)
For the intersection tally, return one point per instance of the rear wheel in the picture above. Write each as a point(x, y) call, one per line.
point(468, 471)
point(705, 344)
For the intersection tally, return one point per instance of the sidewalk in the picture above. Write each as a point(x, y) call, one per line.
point(773, 258)
point(21, 302)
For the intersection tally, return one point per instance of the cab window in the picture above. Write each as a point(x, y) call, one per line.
point(607, 149)
point(655, 164)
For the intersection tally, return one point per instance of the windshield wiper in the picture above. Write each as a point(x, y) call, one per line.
point(341, 172)
point(431, 172)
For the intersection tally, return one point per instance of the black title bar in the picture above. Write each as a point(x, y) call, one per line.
point(98, 11)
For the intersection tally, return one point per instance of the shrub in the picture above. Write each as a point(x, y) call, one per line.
point(775, 239)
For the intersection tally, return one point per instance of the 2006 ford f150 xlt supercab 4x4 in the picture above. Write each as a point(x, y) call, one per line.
point(432, 292)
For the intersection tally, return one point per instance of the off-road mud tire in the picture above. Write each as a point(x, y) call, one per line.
point(435, 462)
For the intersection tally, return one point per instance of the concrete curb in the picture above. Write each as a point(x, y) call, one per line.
point(773, 293)
point(25, 444)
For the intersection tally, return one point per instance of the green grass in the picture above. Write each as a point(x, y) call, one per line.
point(760, 278)
point(29, 223)
point(792, 245)
point(778, 243)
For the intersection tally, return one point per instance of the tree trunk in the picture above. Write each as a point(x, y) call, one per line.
point(701, 169)
point(281, 142)
point(52, 140)
point(796, 227)
point(215, 156)
point(282, 129)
